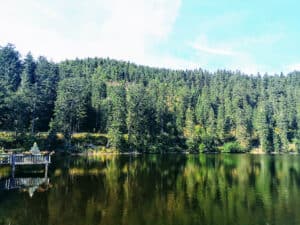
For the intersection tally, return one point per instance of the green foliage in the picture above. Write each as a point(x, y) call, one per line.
point(190, 131)
point(98, 102)
point(70, 107)
point(10, 67)
point(139, 118)
point(157, 110)
point(208, 144)
point(202, 147)
point(297, 145)
point(232, 147)
point(117, 118)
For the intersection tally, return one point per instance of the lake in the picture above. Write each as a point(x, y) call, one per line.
point(155, 190)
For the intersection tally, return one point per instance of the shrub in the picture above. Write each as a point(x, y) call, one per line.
point(232, 147)
point(202, 147)
point(209, 144)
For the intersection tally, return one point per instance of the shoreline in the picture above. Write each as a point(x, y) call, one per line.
point(178, 153)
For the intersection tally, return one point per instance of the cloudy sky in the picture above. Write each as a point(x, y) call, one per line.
point(251, 36)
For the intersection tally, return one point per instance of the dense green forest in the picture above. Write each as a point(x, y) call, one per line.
point(149, 109)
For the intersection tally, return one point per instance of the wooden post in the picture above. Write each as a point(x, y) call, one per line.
point(13, 165)
point(46, 170)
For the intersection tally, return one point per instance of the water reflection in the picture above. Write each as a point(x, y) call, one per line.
point(170, 189)
point(8, 181)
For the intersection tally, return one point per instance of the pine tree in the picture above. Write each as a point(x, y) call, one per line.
point(98, 101)
point(70, 107)
point(190, 132)
point(139, 118)
point(10, 67)
point(117, 125)
point(29, 93)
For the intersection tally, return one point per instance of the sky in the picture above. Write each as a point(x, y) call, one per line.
point(250, 36)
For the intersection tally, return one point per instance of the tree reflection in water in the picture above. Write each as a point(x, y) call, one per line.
point(163, 189)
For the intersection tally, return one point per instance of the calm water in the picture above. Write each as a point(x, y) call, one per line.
point(156, 190)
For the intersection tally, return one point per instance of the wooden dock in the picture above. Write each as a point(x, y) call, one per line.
point(25, 159)
point(32, 157)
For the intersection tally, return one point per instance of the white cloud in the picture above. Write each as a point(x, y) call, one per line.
point(214, 51)
point(129, 30)
point(118, 29)
point(234, 54)
point(203, 45)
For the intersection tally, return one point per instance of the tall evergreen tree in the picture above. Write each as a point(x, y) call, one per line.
point(117, 121)
point(70, 107)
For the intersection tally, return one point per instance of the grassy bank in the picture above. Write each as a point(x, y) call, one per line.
point(79, 141)
point(96, 143)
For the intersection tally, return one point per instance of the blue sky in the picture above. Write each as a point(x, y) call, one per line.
point(251, 36)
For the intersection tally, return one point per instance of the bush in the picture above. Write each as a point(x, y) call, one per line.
point(232, 147)
point(208, 144)
point(297, 145)
point(202, 147)
point(87, 138)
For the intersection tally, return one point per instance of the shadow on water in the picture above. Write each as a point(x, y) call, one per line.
point(159, 189)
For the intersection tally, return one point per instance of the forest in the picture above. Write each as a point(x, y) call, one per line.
point(145, 109)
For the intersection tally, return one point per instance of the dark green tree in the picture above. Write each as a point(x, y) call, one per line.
point(70, 107)
point(117, 117)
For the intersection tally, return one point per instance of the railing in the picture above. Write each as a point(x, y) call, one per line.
point(24, 159)
point(21, 159)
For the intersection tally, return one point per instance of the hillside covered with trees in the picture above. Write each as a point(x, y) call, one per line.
point(149, 109)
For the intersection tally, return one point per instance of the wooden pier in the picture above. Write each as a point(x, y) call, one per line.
point(25, 159)
point(32, 157)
